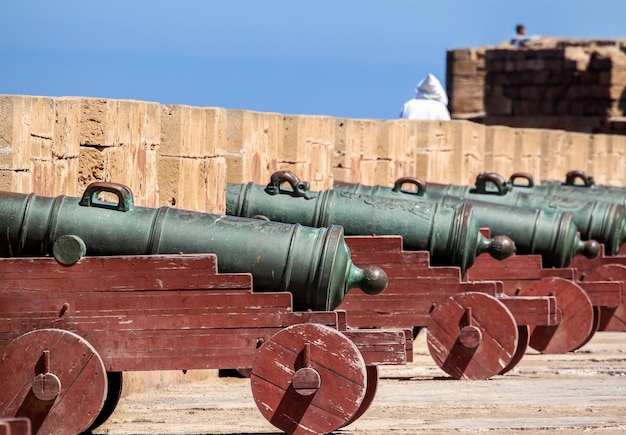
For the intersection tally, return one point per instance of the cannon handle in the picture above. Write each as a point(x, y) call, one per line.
point(485, 178)
point(299, 188)
point(124, 195)
point(524, 175)
point(572, 176)
point(420, 184)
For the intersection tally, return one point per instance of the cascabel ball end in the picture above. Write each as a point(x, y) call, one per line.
point(68, 249)
point(372, 279)
point(499, 247)
point(588, 248)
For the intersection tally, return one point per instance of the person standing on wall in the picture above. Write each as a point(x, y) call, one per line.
point(521, 38)
point(430, 101)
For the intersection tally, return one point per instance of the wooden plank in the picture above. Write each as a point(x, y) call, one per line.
point(15, 426)
point(604, 293)
point(535, 310)
point(380, 347)
point(513, 270)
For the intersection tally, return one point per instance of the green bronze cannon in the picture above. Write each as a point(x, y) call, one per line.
point(313, 264)
point(602, 221)
point(449, 233)
point(548, 233)
point(577, 184)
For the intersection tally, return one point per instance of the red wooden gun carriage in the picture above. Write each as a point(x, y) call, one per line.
point(67, 334)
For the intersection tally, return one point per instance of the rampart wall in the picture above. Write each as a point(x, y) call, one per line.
point(183, 156)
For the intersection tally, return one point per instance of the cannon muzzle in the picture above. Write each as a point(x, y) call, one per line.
point(449, 233)
point(313, 264)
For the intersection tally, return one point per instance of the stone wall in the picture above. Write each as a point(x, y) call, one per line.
point(574, 85)
point(182, 156)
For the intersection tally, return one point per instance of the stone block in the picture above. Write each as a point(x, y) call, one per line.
point(40, 127)
point(91, 165)
point(462, 54)
point(16, 181)
point(345, 174)
point(184, 132)
point(185, 183)
point(469, 146)
point(343, 154)
point(616, 174)
point(37, 128)
point(435, 151)
point(260, 138)
point(15, 114)
point(135, 167)
point(464, 67)
point(499, 149)
point(236, 169)
point(66, 134)
point(216, 185)
point(191, 131)
point(600, 156)
point(529, 149)
point(92, 121)
point(577, 150)
point(398, 142)
point(362, 139)
point(377, 172)
point(301, 132)
point(55, 177)
point(110, 123)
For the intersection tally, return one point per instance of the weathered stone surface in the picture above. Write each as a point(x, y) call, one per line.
point(555, 78)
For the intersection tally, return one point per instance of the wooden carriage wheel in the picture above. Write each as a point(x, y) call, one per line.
point(611, 318)
point(594, 326)
point(523, 339)
point(370, 393)
point(55, 378)
point(577, 318)
point(308, 378)
point(472, 336)
point(114, 393)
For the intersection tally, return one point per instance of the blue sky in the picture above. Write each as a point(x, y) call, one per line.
point(343, 58)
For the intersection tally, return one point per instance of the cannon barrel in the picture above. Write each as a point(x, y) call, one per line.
point(577, 185)
point(450, 234)
point(602, 221)
point(313, 264)
point(550, 234)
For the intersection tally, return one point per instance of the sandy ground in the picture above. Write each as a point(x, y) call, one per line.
point(582, 392)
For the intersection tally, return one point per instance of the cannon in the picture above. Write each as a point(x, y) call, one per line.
point(312, 263)
point(577, 178)
point(550, 234)
point(577, 185)
point(68, 332)
point(450, 234)
point(602, 221)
